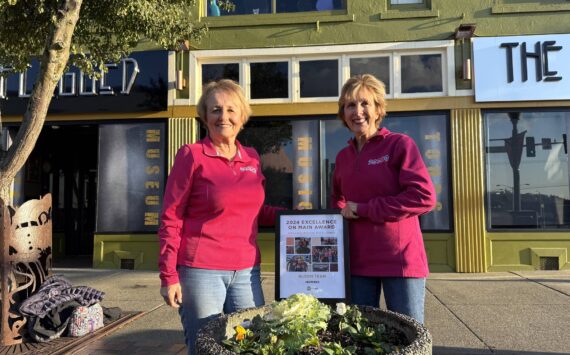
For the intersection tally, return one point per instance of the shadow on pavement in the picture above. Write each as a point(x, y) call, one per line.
point(158, 341)
point(443, 350)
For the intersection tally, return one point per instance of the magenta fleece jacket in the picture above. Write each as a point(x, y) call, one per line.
point(210, 211)
point(391, 186)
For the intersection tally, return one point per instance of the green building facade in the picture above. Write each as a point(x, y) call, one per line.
point(483, 87)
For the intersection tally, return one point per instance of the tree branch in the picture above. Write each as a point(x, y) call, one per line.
point(53, 62)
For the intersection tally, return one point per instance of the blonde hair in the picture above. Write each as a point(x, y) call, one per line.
point(355, 85)
point(229, 87)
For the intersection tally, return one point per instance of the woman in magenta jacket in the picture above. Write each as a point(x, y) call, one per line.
point(213, 202)
point(381, 185)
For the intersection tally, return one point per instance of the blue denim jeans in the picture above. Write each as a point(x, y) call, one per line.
point(402, 294)
point(208, 293)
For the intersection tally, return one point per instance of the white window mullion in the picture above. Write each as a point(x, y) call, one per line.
point(344, 70)
point(245, 78)
point(449, 88)
point(195, 79)
point(295, 80)
point(244, 81)
point(397, 77)
point(404, 2)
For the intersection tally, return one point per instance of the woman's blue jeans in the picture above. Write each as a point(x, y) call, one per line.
point(208, 293)
point(402, 294)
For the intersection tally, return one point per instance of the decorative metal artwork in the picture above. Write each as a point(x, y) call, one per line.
point(26, 244)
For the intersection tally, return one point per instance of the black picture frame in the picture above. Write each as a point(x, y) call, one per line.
point(297, 269)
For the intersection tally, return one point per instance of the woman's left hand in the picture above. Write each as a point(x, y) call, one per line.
point(172, 295)
point(349, 211)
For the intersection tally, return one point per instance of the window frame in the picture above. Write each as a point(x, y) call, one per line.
point(297, 75)
point(390, 85)
point(340, 52)
point(247, 79)
point(487, 172)
point(246, 20)
point(398, 69)
point(241, 79)
point(419, 4)
point(322, 177)
point(198, 73)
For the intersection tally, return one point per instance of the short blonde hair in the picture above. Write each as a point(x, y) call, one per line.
point(229, 87)
point(358, 83)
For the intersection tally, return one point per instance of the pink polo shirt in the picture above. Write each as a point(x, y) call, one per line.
point(210, 211)
point(391, 186)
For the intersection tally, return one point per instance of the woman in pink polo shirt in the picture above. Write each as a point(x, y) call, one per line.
point(381, 185)
point(213, 202)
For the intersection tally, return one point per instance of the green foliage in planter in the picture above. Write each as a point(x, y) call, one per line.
point(303, 325)
point(291, 324)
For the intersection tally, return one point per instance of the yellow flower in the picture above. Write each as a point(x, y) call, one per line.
point(240, 333)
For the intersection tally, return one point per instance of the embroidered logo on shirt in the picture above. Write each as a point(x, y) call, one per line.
point(248, 168)
point(380, 160)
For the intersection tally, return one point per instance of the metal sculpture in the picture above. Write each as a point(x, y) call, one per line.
point(26, 257)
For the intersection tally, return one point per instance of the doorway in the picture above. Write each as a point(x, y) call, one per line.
point(64, 163)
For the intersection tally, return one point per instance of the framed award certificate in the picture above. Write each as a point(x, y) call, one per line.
point(312, 255)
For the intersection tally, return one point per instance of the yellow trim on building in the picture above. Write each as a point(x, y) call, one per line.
point(468, 190)
point(181, 130)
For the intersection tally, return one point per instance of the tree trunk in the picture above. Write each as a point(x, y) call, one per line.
point(52, 65)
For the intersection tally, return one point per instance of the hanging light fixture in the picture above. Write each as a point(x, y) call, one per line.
point(462, 33)
point(180, 80)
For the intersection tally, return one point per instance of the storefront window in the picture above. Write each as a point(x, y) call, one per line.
point(319, 78)
point(273, 140)
point(256, 7)
point(421, 73)
point(429, 131)
point(131, 177)
point(269, 80)
point(213, 72)
point(298, 158)
point(377, 66)
point(527, 169)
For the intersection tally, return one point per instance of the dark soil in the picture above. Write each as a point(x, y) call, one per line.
point(392, 336)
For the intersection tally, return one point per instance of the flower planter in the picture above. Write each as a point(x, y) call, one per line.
point(210, 336)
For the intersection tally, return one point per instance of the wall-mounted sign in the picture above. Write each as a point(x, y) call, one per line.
point(312, 255)
point(137, 83)
point(521, 68)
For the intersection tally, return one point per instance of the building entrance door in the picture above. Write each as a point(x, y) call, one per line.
point(64, 163)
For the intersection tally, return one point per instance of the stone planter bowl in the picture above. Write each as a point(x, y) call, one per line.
point(209, 338)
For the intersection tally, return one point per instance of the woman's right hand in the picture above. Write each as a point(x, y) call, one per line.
point(172, 295)
point(349, 211)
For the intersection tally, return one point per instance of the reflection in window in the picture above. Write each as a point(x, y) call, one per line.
point(308, 5)
point(269, 80)
point(527, 169)
point(335, 137)
point(377, 66)
point(213, 72)
point(421, 73)
point(429, 131)
point(240, 7)
point(255, 7)
point(319, 78)
point(273, 141)
point(298, 157)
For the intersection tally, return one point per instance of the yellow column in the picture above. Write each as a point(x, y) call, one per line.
point(468, 190)
point(181, 130)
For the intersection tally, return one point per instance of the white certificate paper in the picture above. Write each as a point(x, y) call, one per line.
point(312, 255)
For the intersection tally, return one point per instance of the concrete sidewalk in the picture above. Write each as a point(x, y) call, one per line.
point(494, 313)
